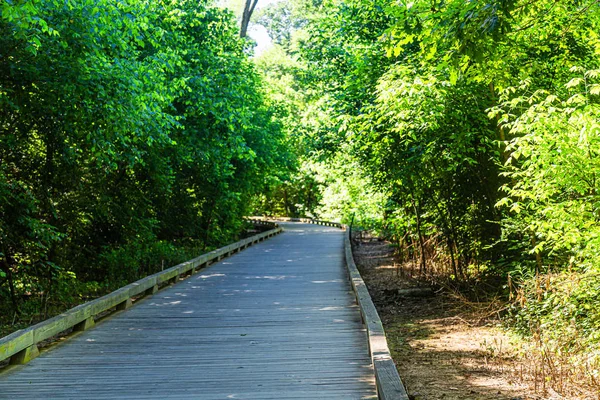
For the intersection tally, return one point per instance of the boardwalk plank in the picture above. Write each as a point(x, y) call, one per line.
point(275, 321)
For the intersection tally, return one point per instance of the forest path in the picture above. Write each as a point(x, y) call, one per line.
point(275, 321)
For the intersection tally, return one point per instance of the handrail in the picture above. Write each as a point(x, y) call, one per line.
point(389, 384)
point(261, 222)
point(21, 346)
point(304, 220)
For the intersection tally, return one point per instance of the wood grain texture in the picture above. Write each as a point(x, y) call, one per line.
point(389, 384)
point(276, 321)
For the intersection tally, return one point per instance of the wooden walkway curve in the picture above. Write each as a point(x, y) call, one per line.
point(276, 321)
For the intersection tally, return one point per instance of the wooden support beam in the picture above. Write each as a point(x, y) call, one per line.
point(151, 290)
point(25, 355)
point(124, 305)
point(84, 325)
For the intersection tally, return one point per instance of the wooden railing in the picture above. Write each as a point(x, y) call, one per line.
point(389, 384)
point(304, 220)
point(22, 346)
point(261, 222)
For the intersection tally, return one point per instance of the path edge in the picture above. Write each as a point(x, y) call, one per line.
point(389, 383)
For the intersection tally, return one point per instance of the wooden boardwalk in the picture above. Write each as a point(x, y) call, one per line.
point(275, 321)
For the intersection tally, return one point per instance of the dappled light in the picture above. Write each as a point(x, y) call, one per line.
point(166, 303)
point(330, 308)
point(210, 276)
point(276, 277)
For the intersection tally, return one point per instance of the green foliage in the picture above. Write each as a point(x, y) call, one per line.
point(424, 143)
point(314, 83)
point(416, 122)
point(132, 133)
point(347, 193)
point(552, 168)
point(130, 261)
point(561, 312)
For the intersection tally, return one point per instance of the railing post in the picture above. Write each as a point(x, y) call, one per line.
point(124, 305)
point(151, 290)
point(84, 325)
point(25, 355)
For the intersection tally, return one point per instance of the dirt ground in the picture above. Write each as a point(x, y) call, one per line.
point(441, 351)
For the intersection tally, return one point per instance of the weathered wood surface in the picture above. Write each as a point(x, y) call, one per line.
point(389, 384)
point(276, 321)
point(21, 346)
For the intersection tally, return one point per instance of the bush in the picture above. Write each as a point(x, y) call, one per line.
point(135, 260)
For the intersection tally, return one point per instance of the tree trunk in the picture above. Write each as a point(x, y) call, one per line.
point(423, 267)
point(452, 257)
point(246, 15)
point(208, 223)
point(286, 203)
point(538, 257)
point(309, 197)
point(13, 294)
point(6, 262)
